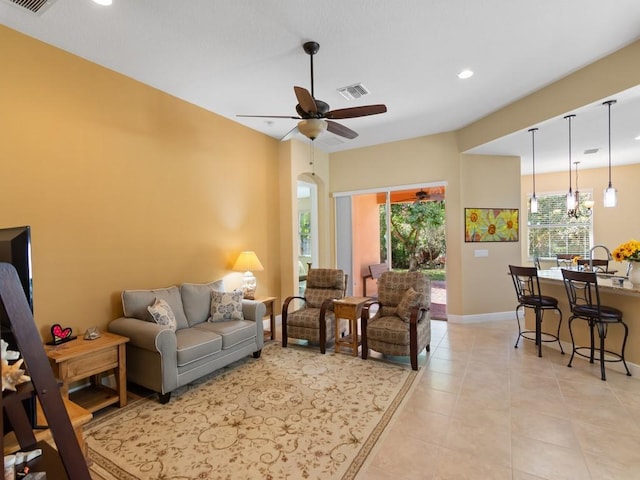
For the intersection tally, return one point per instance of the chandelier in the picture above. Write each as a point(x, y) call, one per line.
point(577, 211)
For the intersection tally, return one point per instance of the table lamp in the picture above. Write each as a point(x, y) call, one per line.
point(248, 262)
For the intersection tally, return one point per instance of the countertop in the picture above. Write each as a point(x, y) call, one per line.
point(606, 283)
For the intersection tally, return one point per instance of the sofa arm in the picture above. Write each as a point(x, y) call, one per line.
point(146, 335)
point(253, 310)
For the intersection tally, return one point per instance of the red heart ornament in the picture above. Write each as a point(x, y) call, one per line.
point(60, 333)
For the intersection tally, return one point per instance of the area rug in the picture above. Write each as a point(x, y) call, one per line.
point(291, 414)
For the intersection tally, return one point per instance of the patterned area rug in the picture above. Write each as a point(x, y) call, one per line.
point(293, 413)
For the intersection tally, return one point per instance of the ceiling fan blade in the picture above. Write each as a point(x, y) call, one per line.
point(356, 111)
point(290, 134)
point(269, 116)
point(341, 130)
point(305, 100)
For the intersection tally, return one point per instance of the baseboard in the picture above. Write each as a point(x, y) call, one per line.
point(481, 317)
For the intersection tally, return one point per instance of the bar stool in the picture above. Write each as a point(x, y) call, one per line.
point(584, 299)
point(527, 285)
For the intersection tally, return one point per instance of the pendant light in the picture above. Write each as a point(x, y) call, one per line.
point(571, 200)
point(610, 194)
point(534, 200)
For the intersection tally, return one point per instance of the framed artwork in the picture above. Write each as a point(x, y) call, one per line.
point(491, 224)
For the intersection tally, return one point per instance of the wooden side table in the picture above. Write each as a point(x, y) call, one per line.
point(268, 302)
point(80, 359)
point(349, 308)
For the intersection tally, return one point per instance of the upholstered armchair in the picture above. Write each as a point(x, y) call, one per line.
point(401, 325)
point(314, 320)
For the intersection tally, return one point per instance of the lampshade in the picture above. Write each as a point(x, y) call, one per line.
point(248, 261)
point(312, 127)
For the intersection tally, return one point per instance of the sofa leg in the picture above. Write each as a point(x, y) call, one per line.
point(164, 398)
point(257, 353)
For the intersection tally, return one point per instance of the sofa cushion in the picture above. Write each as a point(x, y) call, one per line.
point(226, 306)
point(410, 299)
point(193, 344)
point(196, 300)
point(135, 303)
point(162, 314)
point(233, 331)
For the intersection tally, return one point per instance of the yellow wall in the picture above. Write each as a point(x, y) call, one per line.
point(125, 187)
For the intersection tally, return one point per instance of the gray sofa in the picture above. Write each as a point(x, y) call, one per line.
point(162, 359)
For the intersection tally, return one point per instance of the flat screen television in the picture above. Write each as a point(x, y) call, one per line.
point(15, 248)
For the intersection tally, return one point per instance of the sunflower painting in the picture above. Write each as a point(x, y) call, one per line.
point(491, 224)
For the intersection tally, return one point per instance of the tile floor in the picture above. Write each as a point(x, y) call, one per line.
point(485, 410)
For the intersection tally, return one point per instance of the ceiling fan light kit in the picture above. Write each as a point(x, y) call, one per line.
point(312, 112)
point(312, 127)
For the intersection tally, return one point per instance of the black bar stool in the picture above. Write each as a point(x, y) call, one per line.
point(584, 299)
point(527, 285)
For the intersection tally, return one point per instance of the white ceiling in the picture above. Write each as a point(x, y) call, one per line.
point(244, 57)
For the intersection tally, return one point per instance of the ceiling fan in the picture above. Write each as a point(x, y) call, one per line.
point(431, 194)
point(315, 115)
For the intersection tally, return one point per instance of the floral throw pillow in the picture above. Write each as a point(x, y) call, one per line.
point(410, 299)
point(226, 306)
point(162, 314)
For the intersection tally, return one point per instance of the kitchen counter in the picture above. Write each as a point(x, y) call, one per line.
point(625, 298)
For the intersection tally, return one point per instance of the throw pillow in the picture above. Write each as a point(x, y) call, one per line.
point(226, 306)
point(162, 314)
point(410, 299)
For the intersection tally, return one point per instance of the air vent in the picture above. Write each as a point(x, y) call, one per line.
point(591, 151)
point(354, 91)
point(34, 6)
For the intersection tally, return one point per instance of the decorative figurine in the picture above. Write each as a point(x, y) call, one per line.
point(60, 335)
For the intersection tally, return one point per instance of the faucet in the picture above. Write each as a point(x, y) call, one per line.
point(609, 257)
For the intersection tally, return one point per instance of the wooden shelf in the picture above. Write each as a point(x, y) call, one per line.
point(78, 416)
point(95, 397)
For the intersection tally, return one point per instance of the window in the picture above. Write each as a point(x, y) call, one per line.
point(551, 231)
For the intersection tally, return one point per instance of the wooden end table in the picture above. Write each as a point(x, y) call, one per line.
point(80, 359)
point(268, 302)
point(348, 308)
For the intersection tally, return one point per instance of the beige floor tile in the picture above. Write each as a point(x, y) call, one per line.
point(451, 367)
point(432, 400)
point(442, 381)
point(467, 411)
point(405, 457)
point(546, 428)
point(454, 465)
point(485, 410)
point(421, 424)
point(489, 442)
point(547, 460)
point(518, 475)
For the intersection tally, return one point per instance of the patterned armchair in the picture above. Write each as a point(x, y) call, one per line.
point(402, 325)
point(314, 321)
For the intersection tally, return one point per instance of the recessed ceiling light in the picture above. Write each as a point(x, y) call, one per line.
point(465, 74)
point(638, 137)
point(106, 3)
